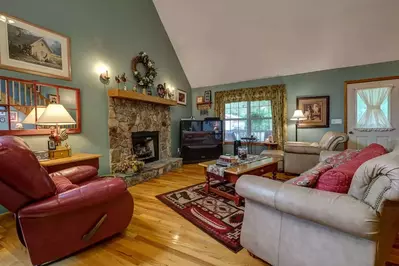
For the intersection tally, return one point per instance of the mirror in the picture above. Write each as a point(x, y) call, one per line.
point(23, 101)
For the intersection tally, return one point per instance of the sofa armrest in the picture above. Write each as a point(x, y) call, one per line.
point(339, 211)
point(85, 196)
point(77, 174)
point(324, 155)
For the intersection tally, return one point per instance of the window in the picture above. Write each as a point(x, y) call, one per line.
point(373, 108)
point(243, 119)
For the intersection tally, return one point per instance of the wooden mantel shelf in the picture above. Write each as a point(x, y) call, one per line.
point(131, 95)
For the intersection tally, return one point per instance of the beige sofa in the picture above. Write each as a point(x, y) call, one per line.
point(287, 225)
point(301, 156)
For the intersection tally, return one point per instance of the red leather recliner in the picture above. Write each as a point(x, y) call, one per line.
point(53, 225)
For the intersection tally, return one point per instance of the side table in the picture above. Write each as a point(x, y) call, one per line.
point(75, 160)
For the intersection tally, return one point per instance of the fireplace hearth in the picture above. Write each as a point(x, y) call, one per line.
point(146, 145)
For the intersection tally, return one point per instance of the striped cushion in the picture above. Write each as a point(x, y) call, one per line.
point(62, 183)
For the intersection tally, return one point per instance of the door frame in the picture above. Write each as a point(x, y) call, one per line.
point(348, 82)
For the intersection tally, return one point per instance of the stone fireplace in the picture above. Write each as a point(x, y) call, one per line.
point(128, 118)
point(146, 145)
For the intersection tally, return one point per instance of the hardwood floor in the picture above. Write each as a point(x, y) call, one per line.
point(156, 235)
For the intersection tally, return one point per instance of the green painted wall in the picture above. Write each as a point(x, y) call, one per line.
point(328, 82)
point(111, 32)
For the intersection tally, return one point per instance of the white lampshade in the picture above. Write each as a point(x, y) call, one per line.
point(31, 117)
point(55, 114)
point(298, 115)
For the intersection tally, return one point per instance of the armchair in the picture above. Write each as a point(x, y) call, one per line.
point(53, 224)
point(311, 227)
point(301, 156)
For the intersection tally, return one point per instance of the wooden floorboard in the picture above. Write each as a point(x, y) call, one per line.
point(156, 235)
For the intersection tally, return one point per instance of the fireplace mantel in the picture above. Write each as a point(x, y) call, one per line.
point(131, 95)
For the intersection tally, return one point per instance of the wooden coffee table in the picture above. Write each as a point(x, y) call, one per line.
point(232, 174)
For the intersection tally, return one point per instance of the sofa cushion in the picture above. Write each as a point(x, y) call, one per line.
point(310, 177)
point(339, 178)
point(62, 183)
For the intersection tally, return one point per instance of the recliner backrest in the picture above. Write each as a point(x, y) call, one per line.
point(21, 175)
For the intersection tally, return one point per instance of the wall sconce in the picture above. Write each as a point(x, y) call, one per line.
point(104, 78)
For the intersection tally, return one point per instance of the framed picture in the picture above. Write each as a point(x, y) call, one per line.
point(208, 96)
point(181, 97)
point(200, 99)
point(52, 98)
point(51, 145)
point(29, 48)
point(13, 116)
point(316, 109)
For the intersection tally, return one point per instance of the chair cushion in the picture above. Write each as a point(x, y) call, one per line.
point(339, 178)
point(310, 177)
point(62, 183)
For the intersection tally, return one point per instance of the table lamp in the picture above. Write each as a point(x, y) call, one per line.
point(298, 116)
point(55, 115)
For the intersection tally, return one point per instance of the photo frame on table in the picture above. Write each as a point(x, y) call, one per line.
point(181, 97)
point(29, 48)
point(51, 145)
point(316, 110)
point(13, 116)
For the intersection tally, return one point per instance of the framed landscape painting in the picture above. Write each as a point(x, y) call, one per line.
point(316, 111)
point(28, 48)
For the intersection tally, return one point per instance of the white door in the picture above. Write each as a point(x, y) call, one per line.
point(364, 129)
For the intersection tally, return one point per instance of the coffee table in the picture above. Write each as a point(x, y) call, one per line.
point(232, 174)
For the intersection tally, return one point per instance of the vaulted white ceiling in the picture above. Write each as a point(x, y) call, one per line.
point(224, 41)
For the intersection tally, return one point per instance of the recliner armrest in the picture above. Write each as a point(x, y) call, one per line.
point(78, 174)
point(88, 195)
point(339, 211)
point(302, 148)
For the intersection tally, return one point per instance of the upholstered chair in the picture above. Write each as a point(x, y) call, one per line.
point(61, 213)
point(288, 225)
point(301, 156)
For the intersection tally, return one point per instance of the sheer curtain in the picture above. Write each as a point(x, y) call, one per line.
point(374, 118)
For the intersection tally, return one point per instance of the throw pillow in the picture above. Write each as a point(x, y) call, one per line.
point(341, 158)
point(62, 183)
point(340, 177)
point(310, 177)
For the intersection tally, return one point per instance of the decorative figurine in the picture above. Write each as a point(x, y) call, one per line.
point(149, 90)
point(134, 88)
point(144, 91)
point(118, 80)
point(161, 91)
point(124, 79)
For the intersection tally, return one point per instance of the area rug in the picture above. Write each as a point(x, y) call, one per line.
point(215, 215)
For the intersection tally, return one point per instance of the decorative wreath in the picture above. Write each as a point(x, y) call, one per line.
point(148, 79)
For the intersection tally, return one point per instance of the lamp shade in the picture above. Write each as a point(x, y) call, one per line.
point(55, 114)
point(298, 115)
point(31, 117)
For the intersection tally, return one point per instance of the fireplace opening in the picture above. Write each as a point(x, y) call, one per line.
point(146, 145)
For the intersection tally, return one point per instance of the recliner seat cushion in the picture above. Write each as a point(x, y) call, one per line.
point(62, 183)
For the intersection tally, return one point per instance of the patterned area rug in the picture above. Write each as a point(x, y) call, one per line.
point(215, 215)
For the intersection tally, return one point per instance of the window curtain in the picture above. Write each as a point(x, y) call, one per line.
point(276, 94)
point(374, 119)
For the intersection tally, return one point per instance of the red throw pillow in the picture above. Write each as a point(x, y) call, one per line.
point(62, 183)
point(310, 177)
point(339, 178)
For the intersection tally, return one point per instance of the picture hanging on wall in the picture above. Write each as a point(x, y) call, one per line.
point(316, 110)
point(13, 116)
point(208, 96)
point(28, 48)
point(52, 98)
point(181, 97)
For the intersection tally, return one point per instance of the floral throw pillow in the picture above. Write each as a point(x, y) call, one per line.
point(341, 158)
point(310, 177)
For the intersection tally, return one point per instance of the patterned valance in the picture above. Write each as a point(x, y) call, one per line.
point(275, 93)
